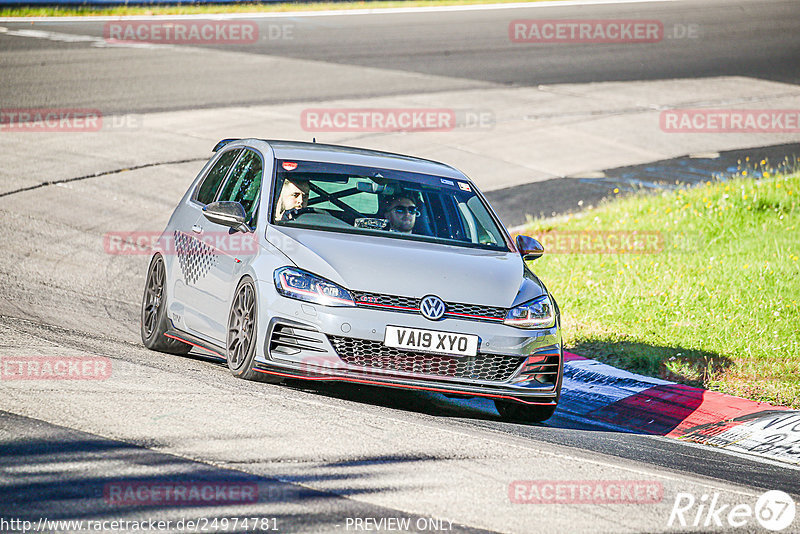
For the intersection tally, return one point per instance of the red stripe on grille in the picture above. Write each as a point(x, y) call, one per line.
point(474, 316)
point(370, 304)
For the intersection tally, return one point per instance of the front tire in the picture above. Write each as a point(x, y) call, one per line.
point(243, 333)
point(153, 320)
point(532, 413)
point(524, 413)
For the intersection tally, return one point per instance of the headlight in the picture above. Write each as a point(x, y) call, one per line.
point(538, 313)
point(301, 285)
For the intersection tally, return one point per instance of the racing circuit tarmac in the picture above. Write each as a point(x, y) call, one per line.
point(323, 456)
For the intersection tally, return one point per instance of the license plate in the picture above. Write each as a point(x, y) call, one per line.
point(431, 341)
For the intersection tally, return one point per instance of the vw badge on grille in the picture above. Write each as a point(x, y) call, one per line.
point(432, 308)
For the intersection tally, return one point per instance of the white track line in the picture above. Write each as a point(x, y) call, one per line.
point(337, 13)
point(99, 42)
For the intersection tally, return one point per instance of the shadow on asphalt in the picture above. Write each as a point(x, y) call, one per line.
point(55, 473)
point(676, 364)
point(587, 433)
point(559, 196)
point(413, 401)
point(474, 409)
point(424, 402)
point(584, 409)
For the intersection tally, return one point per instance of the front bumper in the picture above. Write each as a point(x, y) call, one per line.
point(312, 342)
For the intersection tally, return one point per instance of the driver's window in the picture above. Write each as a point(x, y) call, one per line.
point(208, 189)
point(468, 221)
point(244, 184)
point(487, 233)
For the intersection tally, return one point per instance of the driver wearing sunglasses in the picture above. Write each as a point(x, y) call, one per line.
point(401, 213)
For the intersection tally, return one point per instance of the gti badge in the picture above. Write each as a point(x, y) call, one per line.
point(432, 308)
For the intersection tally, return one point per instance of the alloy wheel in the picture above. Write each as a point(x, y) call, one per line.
point(241, 326)
point(153, 297)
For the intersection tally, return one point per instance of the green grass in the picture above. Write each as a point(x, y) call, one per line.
point(717, 307)
point(251, 7)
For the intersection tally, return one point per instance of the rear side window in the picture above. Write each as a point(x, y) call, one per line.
point(208, 189)
point(244, 184)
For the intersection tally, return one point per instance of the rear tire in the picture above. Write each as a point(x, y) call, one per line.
point(153, 319)
point(242, 334)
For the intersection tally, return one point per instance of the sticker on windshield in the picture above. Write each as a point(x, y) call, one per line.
point(447, 182)
point(289, 165)
point(463, 186)
point(372, 224)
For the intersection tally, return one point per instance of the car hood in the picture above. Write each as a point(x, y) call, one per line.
point(407, 268)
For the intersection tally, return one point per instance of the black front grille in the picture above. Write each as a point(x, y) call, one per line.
point(471, 312)
point(377, 300)
point(374, 355)
point(481, 312)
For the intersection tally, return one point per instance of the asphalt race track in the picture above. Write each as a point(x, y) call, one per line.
point(466, 49)
point(338, 458)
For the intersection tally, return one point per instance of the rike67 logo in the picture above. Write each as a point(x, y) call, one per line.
point(774, 510)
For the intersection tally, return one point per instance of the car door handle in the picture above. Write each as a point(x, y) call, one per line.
point(197, 229)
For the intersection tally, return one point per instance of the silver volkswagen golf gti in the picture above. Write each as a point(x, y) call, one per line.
point(320, 262)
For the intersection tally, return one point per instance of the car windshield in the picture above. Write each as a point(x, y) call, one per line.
point(389, 203)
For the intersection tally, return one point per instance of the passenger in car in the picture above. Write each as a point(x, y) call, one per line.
point(293, 196)
point(402, 213)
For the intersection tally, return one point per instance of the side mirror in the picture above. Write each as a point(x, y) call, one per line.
point(229, 214)
point(529, 248)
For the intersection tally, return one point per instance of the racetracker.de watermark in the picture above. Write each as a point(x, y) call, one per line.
point(602, 242)
point(180, 243)
point(585, 492)
point(50, 120)
point(585, 31)
point(394, 119)
point(730, 121)
point(54, 368)
point(74, 120)
point(151, 525)
point(192, 493)
point(183, 32)
point(429, 364)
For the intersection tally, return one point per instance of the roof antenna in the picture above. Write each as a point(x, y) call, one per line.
point(313, 139)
